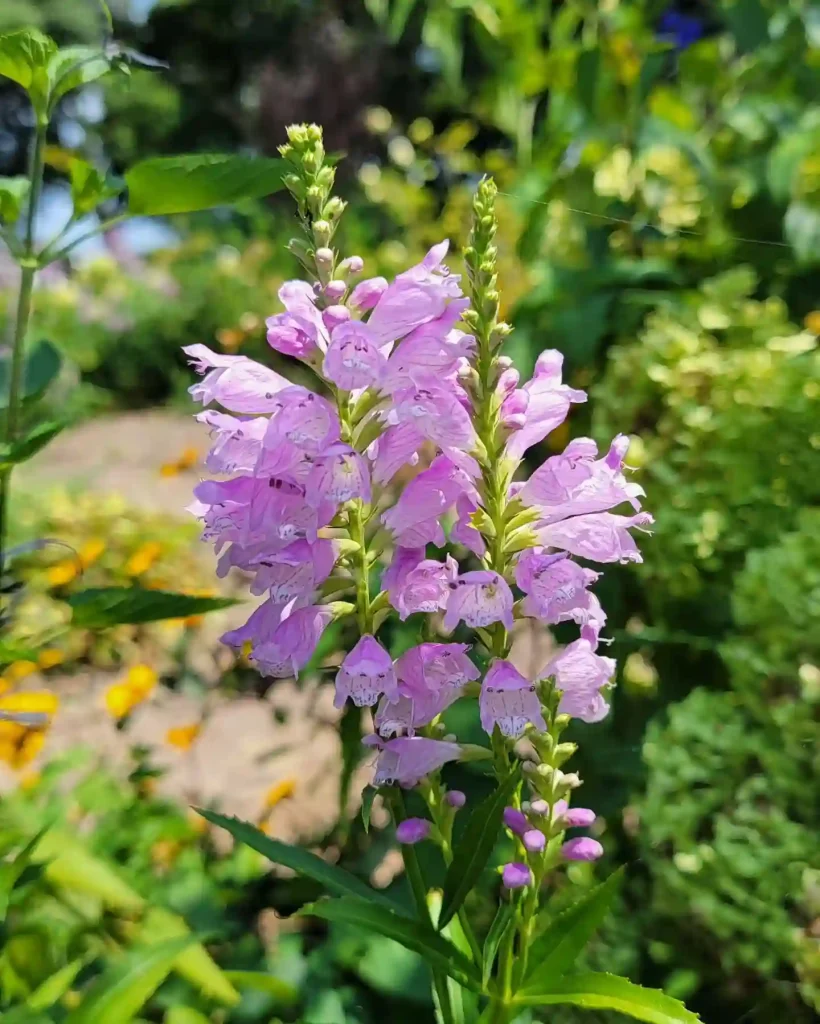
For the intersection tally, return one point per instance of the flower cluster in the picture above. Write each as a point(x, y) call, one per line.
point(409, 373)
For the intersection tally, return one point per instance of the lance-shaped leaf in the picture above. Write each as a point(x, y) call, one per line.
point(498, 929)
point(13, 193)
point(609, 992)
point(473, 849)
point(182, 184)
point(100, 607)
point(55, 986)
point(554, 951)
point(25, 447)
point(334, 879)
point(41, 367)
point(259, 981)
point(421, 938)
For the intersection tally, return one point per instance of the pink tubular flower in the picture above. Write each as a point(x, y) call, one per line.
point(237, 442)
point(367, 293)
point(548, 402)
point(416, 296)
point(406, 760)
point(300, 331)
point(515, 820)
point(338, 476)
point(424, 587)
point(353, 359)
point(463, 531)
point(437, 414)
point(509, 701)
point(414, 519)
point(556, 588)
point(516, 876)
point(575, 483)
point(534, 840)
point(292, 572)
point(479, 598)
point(601, 536)
point(396, 448)
point(292, 643)
point(580, 675)
point(305, 421)
point(236, 382)
point(259, 628)
point(582, 848)
point(412, 830)
point(366, 673)
point(433, 351)
point(430, 678)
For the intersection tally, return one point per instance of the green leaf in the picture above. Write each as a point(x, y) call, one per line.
point(785, 159)
point(100, 607)
point(503, 919)
point(368, 796)
point(43, 364)
point(749, 24)
point(587, 72)
point(184, 1015)
point(802, 228)
point(258, 981)
point(88, 187)
point(334, 879)
point(69, 865)
point(609, 992)
point(350, 734)
point(125, 987)
point(554, 951)
point(11, 871)
point(422, 939)
point(24, 58)
point(55, 986)
point(473, 849)
point(73, 66)
point(182, 184)
point(26, 447)
point(13, 193)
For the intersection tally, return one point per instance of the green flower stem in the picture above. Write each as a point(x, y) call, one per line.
point(48, 256)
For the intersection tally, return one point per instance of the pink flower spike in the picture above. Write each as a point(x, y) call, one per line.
point(539, 807)
point(412, 830)
point(516, 876)
point(582, 848)
point(515, 821)
point(479, 598)
point(534, 840)
point(455, 798)
point(408, 759)
point(509, 701)
point(578, 817)
point(366, 673)
point(353, 359)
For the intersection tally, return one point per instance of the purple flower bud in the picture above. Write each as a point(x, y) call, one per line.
point(515, 821)
point(516, 876)
point(324, 256)
point(582, 848)
point(352, 265)
point(455, 798)
point(579, 817)
point(539, 807)
point(534, 840)
point(334, 290)
point(412, 830)
point(335, 315)
point(367, 293)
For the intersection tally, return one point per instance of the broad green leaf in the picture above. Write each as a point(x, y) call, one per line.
point(24, 58)
point(182, 184)
point(42, 366)
point(802, 228)
point(125, 987)
point(13, 193)
point(55, 986)
point(473, 849)
point(88, 187)
point(258, 981)
point(436, 950)
point(368, 796)
point(503, 919)
point(73, 66)
point(101, 607)
point(609, 992)
point(26, 447)
point(554, 951)
point(194, 963)
point(334, 879)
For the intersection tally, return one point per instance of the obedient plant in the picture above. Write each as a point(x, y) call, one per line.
point(410, 373)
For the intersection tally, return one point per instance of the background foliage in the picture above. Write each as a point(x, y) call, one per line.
point(660, 224)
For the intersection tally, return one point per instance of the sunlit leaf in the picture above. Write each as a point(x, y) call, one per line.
point(100, 607)
point(802, 228)
point(259, 981)
point(609, 992)
point(55, 986)
point(13, 193)
point(88, 187)
point(42, 365)
point(73, 66)
point(24, 58)
point(182, 184)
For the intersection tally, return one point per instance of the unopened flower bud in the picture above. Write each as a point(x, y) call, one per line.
point(412, 830)
point(334, 208)
point(516, 876)
point(335, 315)
point(334, 290)
point(455, 798)
point(321, 231)
point(367, 293)
point(324, 256)
point(534, 840)
point(539, 807)
point(582, 848)
point(503, 363)
point(352, 265)
point(572, 780)
point(515, 820)
point(579, 817)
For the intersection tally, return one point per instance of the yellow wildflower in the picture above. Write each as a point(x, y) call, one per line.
point(121, 698)
point(142, 679)
point(30, 702)
point(19, 670)
point(5, 685)
point(812, 321)
point(280, 791)
point(61, 573)
point(50, 657)
point(19, 745)
point(182, 736)
point(143, 558)
point(21, 741)
point(230, 338)
point(91, 551)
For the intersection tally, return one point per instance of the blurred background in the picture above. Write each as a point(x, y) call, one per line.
point(659, 164)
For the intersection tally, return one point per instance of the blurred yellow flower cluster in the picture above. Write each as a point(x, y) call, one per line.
point(121, 698)
point(24, 720)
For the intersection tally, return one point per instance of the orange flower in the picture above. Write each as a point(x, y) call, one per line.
point(121, 698)
point(62, 573)
point(50, 657)
point(19, 670)
point(143, 558)
point(183, 736)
